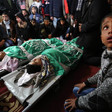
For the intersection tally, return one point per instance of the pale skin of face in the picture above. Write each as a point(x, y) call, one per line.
point(24, 12)
point(5, 17)
point(106, 32)
point(18, 19)
point(36, 61)
point(33, 10)
point(46, 22)
point(62, 22)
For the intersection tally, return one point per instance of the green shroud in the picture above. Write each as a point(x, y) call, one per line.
point(67, 54)
point(34, 47)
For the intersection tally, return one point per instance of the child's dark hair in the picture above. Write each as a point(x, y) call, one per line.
point(25, 10)
point(33, 68)
point(108, 15)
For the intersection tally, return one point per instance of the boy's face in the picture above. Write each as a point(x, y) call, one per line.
point(33, 10)
point(106, 32)
point(62, 22)
point(5, 17)
point(36, 61)
point(33, 22)
point(18, 19)
point(46, 22)
point(24, 12)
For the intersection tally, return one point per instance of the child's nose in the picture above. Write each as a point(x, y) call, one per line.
point(110, 30)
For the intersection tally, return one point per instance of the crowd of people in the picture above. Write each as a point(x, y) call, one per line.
point(23, 20)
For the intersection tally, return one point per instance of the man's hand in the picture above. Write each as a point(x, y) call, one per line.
point(49, 36)
point(80, 25)
point(72, 16)
point(67, 35)
point(13, 39)
point(70, 103)
point(80, 85)
point(2, 43)
point(51, 18)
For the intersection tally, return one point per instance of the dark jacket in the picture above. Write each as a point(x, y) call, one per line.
point(24, 33)
point(60, 30)
point(56, 8)
point(2, 33)
point(46, 30)
point(90, 30)
point(35, 31)
point(69, 5)
point(74, 12)
point(12, 29)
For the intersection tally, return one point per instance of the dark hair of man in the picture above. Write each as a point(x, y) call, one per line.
point(5, 13)
point(33, 68)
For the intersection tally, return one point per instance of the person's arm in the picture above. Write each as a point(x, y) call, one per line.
point(93, 80)
point(73, 7)
point(89, 82)
point(17, 31)
point(98, 99)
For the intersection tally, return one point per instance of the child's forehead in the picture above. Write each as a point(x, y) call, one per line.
point(107, 19)
point(33, 7)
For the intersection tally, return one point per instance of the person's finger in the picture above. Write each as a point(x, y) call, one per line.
point(79, 90)
point(71, 109)
point(68, 106)
point(68, 100)
point(66, 103)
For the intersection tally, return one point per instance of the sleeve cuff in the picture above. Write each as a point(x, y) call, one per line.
point(87, 83)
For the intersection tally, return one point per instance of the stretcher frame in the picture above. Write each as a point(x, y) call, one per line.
point(39, 93)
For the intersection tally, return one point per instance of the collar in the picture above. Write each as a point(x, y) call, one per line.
point(107, 54)
point(6, 22)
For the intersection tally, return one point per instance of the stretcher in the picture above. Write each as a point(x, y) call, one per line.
point(40, 91)
point(62, 58)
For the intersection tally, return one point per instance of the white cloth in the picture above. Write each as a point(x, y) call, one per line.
point(7, 25)
point(25, 78)
point(9, 64)
point(37, 4)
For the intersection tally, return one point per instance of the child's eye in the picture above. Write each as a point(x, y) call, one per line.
point(105, 27)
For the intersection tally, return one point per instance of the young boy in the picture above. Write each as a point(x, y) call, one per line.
point(96, 99)
point(46, 28)
point(35, 15)
point(9, 30)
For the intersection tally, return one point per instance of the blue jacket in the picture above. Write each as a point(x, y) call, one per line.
point(38, 18)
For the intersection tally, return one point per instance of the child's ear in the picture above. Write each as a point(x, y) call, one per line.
point(101, 38)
